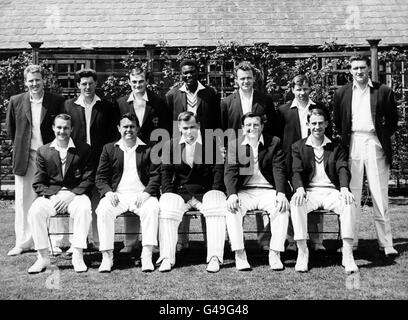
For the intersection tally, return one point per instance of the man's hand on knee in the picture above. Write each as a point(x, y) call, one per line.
point(112, 197)
point(346, 196)
point(299, 197)
point(282, 204)
point(233, 203)
point(141, 198)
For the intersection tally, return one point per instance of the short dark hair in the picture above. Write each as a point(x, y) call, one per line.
point(299, 80)
point(138, 70)
point(186, 116)
point(360, 57)
point(188, 62)
point(63, 116)
point(316, 111)
point(130, 116)
point(85, 73)
point(245, 66)
point(253, 115)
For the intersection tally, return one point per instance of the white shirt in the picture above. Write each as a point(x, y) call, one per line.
point(361, 119)
point(302, 111)
point(246, 103)
point(139, 105)
point(88, 113)
point(189, 150)
point(257, 179)
point(320, 178)
point(130, 182)
point(36, 138)
point(62, 152)
point(192, 97)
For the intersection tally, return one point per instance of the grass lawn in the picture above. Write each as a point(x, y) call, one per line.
point(377, 279)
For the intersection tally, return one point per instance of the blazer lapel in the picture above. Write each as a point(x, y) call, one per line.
point(311, 158)
point(147, 112)
point(45, 106)
point(139, 156)
point(373, 103)
point(180, 104)
point(27, 106)
point(348, 99)
point(95, 111)
point(70, 156)
point(295, 115)
point(237, 104)
point(57, 160)
point(256, 103)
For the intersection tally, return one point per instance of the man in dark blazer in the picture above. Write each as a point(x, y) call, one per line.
point(127, 180)
point(366, 116)
point(93, 121)
point(247, 99)
point(191, 179)
point(62, 181)
point(255, 178)
point(292, 119)
point(321, 180)
point(148, 107)
point(203, 101)
point(29, 125)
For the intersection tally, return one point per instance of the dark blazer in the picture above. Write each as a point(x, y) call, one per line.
point(290, 128)
point(231, 112)
point(271, 161)
point(384, 114)
point(79, 173)
point(154, 117)
point(110, 169)
point(19, 125)
point(304, 165)
point(205, 175)
point(104, 120)
point(208, 109)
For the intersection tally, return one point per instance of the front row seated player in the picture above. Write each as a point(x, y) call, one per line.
point(127, 181)
point(255, 178)
point(191, 181)
point(62, 181)
point(321, 180)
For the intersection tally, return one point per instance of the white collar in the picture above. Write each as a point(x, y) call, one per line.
point(242, 95)
point(199, 140)
point(123, 146)
point(199, 87)
point(310, 143)
point(132, 97)
point(295, 103)
point(56, 146)
point(32, 100)
point(369, 83)
point(81, 101)
point(246, 141)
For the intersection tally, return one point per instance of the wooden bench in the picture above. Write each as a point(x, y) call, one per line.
point(260, 217)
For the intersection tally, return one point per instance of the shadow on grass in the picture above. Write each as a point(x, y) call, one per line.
point(197, 252)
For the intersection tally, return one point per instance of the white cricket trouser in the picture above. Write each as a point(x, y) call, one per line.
point(148, 213)
point(366, 153)
point(172, 208)
point(260, 199)
point(24, 197)
point(324, 198)
point(42, 209)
